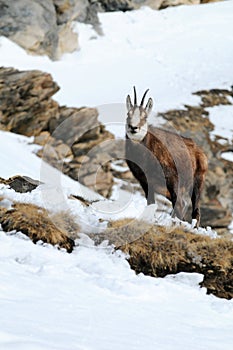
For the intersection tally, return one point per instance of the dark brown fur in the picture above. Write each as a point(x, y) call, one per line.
point(171, 165)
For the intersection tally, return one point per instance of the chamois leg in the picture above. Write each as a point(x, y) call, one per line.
point(177, 204)
point(178, 208)
point(196, 195)
point(151, 196)
point(149, 193)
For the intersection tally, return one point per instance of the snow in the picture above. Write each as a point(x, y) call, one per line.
point(227, 156)
point(91, 299)
point(222, 118)
point(28, 164)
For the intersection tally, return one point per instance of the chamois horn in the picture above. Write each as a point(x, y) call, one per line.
point(143, 98)
point(135, 96)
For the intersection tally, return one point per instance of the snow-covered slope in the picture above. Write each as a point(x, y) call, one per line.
point(91, 299)
point(173, 52)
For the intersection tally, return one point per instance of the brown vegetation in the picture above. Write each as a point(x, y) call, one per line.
point(158, 251)
point(35, 222)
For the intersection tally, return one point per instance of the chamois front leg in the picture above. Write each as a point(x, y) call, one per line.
point(149, 192)
point(150, 196)
point(198, 184)
point(196, 196)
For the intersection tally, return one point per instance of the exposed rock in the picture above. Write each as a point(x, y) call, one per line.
point(216, 215)
point(43, 138)
point(54, 152)
point(66, 134)
point(35, 26)
point(85, 11)
point(68, 10)
point(25, 103)
point(67, 40)
point(207, 1)
point(45, 27)
point(20, 183)
point(73, 123)
point(167, 3)
point(116, 5)
point(30, 24)
point(214, 97)
point(126, 5)
point(34, 222)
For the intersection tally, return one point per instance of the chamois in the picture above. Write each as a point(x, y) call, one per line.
point(163, 161)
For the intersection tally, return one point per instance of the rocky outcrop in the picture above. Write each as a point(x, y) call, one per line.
point(126, 5)
point(45, 27)
point(67, 135)
point(25, 104)
point(33, 25)
point(85, 11)
point(21, 184)
point(167, 3)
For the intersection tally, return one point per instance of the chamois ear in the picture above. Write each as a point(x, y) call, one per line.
point(128, 103)
point(149, 106)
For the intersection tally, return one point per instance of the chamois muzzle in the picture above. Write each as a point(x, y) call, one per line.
point(133, 129)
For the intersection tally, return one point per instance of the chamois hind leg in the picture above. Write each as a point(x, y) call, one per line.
point(196, 196)
point(177, 203)
point(178, 208)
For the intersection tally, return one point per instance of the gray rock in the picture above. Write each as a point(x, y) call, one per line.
point(25, 103)
point(85, 11)
point(67, 39)
point(26, 107)
point(30, 24)
point(69, 10)
point(73, 123)
point(20, 183)
point(168, 3)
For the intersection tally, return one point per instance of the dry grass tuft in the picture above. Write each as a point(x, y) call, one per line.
point(158, 251)
point(35, 222)
point(65, 222)
point(121, 231)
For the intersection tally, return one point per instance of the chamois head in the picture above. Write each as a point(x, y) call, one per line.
point(136, 123)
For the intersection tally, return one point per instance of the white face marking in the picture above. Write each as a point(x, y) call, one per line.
point(138, 136)
point(136, 123)
point(135, 120)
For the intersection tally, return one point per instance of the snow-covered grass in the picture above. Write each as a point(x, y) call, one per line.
point(91, 299)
